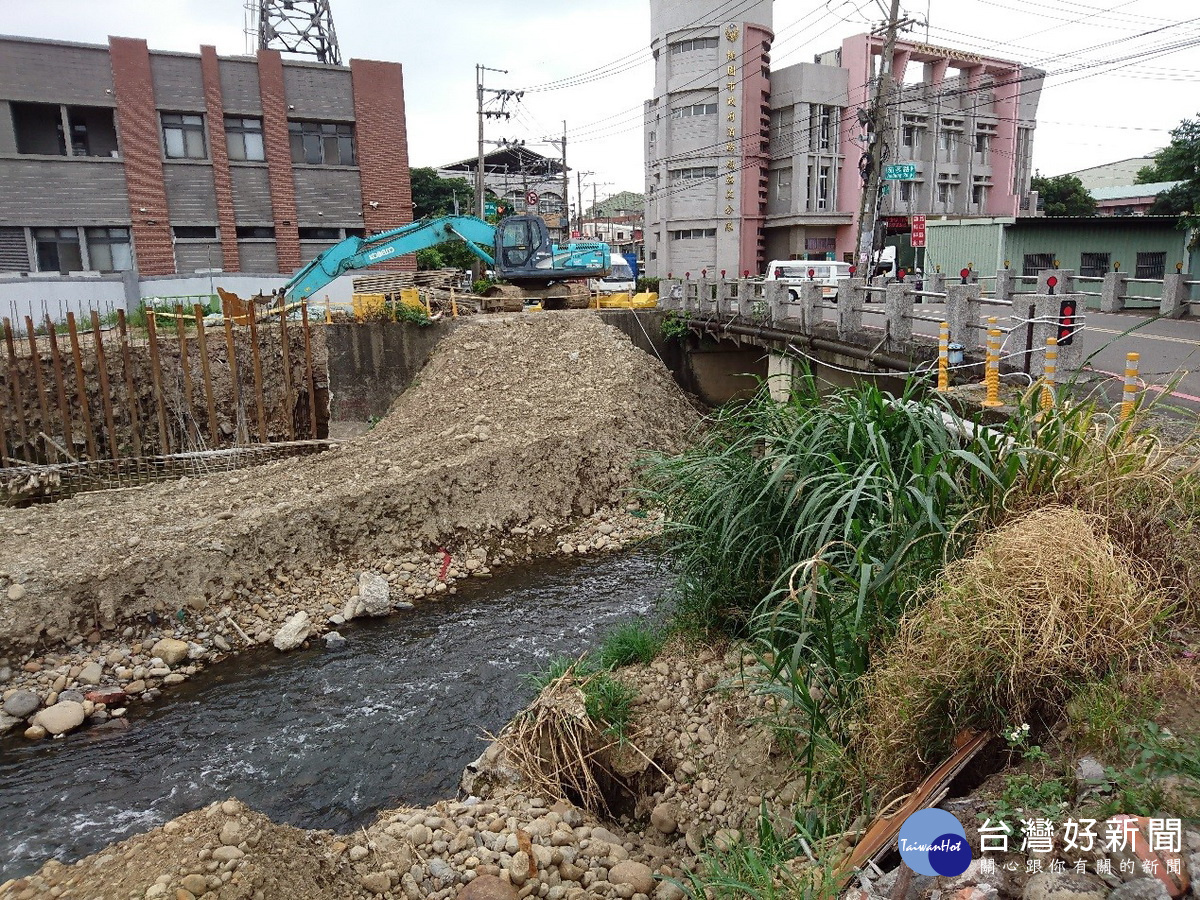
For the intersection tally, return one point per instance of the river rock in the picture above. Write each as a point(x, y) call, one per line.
point(197, 884)
point(376, 882)
point(637, 875)
point(35, 733)
point(170, 651)
point(293, 632)
point(8, 723)
point(375, 594)
point(64, 716)
point(664, 818)
point(488, 887)
point(91, 673)
point(334, 641)
point(16, 592)
point(109, 696)
point(1141, 889)
point(22, 704)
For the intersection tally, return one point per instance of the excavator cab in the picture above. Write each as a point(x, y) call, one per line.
point(524, 252)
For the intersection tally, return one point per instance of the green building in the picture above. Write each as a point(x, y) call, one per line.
point(1143, 246)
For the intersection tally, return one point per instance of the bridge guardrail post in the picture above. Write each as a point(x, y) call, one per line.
point(723, 296)
point(851, 299)
point(1006, 284)
point(1174, 302)
point(1046, 309)
point(962, 312)
point(670, 294)
point(898, 307)
point(811, 297)
point(1064, 285)
point(935, 281)
point(1112, 292)
point(776, 295)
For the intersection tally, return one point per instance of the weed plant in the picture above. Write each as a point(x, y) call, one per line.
point(634, 642)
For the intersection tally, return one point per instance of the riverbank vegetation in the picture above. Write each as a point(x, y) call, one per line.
point(900, 576)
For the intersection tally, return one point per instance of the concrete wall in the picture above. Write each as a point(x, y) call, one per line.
point(371, 364)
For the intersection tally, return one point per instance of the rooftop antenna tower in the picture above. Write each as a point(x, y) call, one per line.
point(304, 27)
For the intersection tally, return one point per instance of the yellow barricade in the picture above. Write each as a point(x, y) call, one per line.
point(411, 297)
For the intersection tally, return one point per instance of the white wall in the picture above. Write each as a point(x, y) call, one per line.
point(55, 296)
point(339, 290)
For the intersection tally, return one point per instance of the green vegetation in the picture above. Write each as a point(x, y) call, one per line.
point(609, 703)
point(676, 326)
point(1178, 162)
point(633, 642)
point(647, 285)
point(1063, 195)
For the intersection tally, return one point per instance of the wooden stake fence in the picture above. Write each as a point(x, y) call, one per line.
point(136, 399)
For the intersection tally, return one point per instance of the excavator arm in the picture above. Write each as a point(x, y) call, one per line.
point(358, 253)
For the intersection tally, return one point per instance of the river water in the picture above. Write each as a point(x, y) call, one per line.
point(316, 739)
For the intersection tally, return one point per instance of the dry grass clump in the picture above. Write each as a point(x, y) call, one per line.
point(561, 743)
point(1045, 603)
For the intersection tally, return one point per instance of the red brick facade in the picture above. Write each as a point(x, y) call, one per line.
point(279, 159)
point(219, 152)
point(382, 145)
point(137, 132)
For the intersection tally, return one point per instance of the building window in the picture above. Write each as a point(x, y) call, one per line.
point(1093, 265)
point(906, 191)
point(946, 191)
point(38, 128)
point(696, 109)
point(320, 234)
point(823, 188)
point(194, 232)
point(650, 140)
point(708, 43)
point(322, 143)
point(695, 173)
point(946, 140)
point(826, 122)
point(783, 185)
point(1036, 262)
point(255, 233)
point(58, 250)
point(979, 192)
point(908, 135)
point(108, 249)
point(183, 136)
point(244, 139)
point(687, 234)
point(983, 141)
point(1151, 265)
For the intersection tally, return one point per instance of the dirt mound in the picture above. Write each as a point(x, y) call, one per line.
point(514, 420)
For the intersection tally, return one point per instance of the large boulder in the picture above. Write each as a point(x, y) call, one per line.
point(170, 650)
point(637, 875)
point(374, 594)
point(64, 716)
point(293, 632)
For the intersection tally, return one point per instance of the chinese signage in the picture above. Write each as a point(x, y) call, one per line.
point(822, 244)
point(900, 172)
point(731, 164)
point(918, 231)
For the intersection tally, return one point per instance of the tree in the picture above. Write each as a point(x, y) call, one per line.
point(433, 196)
point(1178, 161)
point(1063, 195)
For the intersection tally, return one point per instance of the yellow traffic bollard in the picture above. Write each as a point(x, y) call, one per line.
point(1131, 384)
point(944, 357)
point(992, 374)
point(453, 305)
point(1049, 373)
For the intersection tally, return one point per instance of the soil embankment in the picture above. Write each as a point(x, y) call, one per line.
point(517, 428)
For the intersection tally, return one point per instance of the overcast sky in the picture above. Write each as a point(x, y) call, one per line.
point(1085, 117)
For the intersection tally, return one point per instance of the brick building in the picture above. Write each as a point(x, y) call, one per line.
point(118, 157)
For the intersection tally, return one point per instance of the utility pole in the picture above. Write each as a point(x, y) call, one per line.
point(561, 143)
point(579, 196)
point(480, 92)
point(878, 149)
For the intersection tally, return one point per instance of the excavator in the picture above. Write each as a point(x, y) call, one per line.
point(522, 255)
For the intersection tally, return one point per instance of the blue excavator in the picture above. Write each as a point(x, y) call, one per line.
point(535, 268)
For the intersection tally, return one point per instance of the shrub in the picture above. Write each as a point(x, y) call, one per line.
point(1044, 604)
point(647, 285)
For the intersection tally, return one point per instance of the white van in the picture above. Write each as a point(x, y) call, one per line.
point(618, 281)
point(795, 272)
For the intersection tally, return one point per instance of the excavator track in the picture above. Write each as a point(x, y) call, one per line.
point(512, 297)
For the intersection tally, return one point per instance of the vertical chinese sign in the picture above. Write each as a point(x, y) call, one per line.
point(731, 131)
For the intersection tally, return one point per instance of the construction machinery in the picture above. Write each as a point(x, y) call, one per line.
point(523, 255)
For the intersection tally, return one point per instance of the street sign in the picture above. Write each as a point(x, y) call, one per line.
point(531, 198)
point(918, 231)
point(489, 207)
point(575, 234)
point(885, 188)
point(900, 172)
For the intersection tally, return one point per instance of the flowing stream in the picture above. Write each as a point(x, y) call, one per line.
point(316, 739)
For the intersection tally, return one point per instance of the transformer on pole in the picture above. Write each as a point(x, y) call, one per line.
point(304, 27)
